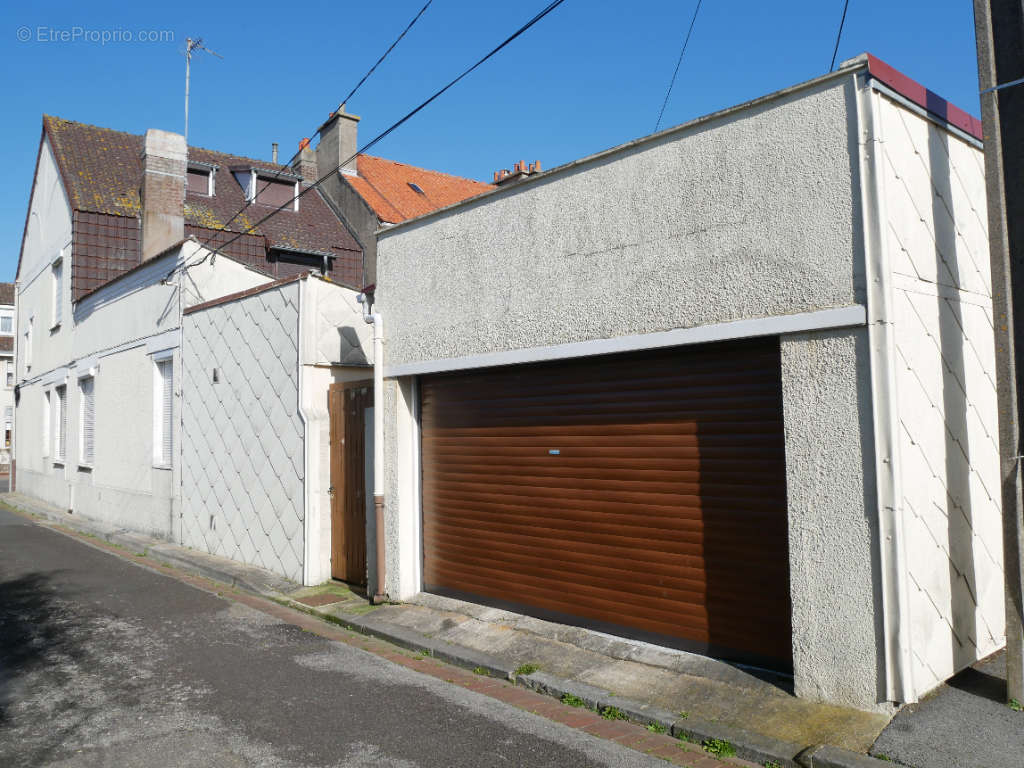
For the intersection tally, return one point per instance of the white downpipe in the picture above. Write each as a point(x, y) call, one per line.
point(378, 402)
point(892, 549)
point(377, 322)
point(304, 416)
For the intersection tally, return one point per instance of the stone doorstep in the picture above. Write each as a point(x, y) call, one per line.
point(749, 746)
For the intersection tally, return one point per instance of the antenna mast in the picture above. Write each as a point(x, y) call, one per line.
point(192, 45)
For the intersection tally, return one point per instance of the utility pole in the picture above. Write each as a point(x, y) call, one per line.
point(192, 45)
point(999, 29)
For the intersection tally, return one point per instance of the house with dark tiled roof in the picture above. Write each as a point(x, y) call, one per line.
point(371, 192)
point(177, 342)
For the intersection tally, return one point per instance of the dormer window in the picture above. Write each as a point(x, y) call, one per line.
point(269, 187)
point(199, 179)
point(275, 192)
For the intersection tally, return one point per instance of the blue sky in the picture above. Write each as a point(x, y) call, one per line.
point(591, 75)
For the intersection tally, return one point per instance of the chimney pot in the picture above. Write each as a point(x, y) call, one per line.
point(273, 151)
point(164, 161)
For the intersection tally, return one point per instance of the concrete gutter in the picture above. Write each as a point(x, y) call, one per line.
point(378, 623)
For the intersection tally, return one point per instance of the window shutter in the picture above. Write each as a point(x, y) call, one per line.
point(166, 368)
point(62, 423)
point(88, 419)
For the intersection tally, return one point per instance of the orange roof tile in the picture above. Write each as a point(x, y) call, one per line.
point(386, 187)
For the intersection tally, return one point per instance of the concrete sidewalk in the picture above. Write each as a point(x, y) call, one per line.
point(685, 694)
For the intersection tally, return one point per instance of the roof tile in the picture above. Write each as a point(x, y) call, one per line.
point(387, 187)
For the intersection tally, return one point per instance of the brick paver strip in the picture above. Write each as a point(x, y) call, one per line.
point(609, 729)
point(620, 731)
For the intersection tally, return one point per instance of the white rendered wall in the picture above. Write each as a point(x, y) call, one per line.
point(47, 237)
point(948, 456)
point(243, 436)
point(114, 333)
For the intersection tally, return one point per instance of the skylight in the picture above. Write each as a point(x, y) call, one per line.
point(416, 188)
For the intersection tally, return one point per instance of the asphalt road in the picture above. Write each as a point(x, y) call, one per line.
point(106, 663)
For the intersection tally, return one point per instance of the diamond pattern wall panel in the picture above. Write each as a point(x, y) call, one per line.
point(242, 436)
point(946, 397)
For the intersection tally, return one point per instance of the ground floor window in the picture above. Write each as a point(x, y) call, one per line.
point(60, 427)
point(163, 412)
point(88, 418)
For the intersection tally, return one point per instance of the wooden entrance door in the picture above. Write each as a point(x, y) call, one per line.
point(348, 403)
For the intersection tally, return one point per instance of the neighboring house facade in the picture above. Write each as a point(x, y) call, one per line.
point(8, 334)
point(738, 397)
point(113, 254)
point(372, 192)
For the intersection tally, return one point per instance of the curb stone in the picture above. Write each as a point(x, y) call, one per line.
point(749, 746)
point(412, 640)
point(825, 756)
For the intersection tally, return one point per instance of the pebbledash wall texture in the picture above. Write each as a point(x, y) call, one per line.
point(766, 213)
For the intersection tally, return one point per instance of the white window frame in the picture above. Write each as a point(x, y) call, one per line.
point(47, 408)
point(9, 373)
point(60, 425)
point(211, 172)
point(160, 461)
point(57, 278)
point(8, 316)
point(86, 455)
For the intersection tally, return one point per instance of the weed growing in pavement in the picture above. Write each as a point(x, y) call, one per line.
point(526, 669)
point(656, 728)
point(479, 671)
point(613, 713)
point(573, 701)
point(684, 715)
point(422, 654)
point(1015, 706)
point(684, 737)
point(884, 757)
point(718, 747)
point(771, 764)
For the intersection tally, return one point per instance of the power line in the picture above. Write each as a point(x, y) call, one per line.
point(839, 35)
point(365, 77)
point(388, 131)
point(384, 56)
point(682, 51)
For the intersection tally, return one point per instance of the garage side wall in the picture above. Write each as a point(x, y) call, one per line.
point(833, 525)
point(937, 243)
point(243, 437)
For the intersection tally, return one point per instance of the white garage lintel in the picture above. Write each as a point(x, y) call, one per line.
point(838, 317)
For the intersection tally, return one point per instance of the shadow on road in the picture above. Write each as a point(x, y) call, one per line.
point(32, 632)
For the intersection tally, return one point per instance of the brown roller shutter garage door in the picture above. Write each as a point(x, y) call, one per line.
point(642, 494)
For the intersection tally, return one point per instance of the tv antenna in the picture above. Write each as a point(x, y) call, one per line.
point(192, 45)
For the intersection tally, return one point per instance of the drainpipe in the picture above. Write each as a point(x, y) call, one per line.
point(377, 322)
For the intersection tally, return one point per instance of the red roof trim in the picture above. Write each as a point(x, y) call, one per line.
point(928, 100)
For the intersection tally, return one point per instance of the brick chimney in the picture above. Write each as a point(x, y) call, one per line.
point(305, 163)
point(337, 143)
point(164, 159)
